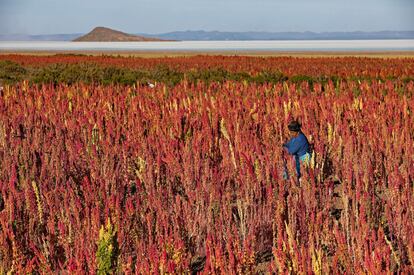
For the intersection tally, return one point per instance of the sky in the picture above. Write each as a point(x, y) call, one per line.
point(160, 16)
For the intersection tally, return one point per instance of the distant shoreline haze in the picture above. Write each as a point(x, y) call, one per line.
point(231, 36)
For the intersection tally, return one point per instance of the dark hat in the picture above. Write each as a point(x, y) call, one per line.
point(294, 126)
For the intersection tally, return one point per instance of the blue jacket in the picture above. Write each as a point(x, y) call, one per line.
point(298, 146)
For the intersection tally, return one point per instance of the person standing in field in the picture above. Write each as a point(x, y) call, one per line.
point(298, 146)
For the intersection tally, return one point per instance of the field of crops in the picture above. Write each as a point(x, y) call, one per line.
point(115, 176)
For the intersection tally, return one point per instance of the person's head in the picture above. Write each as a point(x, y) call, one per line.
point(294, 128)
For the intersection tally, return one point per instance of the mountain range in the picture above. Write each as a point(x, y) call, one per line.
point(106, 34)
point(217, 35)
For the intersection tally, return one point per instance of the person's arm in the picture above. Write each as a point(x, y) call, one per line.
point(292, 146)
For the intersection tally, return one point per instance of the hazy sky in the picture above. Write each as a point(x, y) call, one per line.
point(158, 16)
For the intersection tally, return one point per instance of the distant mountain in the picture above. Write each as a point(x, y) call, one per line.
point(102, 34)
point(41, 37)
point(216, 35)
point(105, 34)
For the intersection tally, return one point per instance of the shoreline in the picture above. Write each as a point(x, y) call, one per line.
point(177, 53)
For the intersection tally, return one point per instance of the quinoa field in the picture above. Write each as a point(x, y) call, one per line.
point(126, 165)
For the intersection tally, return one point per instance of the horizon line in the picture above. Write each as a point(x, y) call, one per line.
point(222, 31)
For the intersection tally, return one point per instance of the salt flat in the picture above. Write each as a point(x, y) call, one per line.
point(222, 46)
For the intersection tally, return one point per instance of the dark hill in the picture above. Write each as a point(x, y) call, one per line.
point(102, 34)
